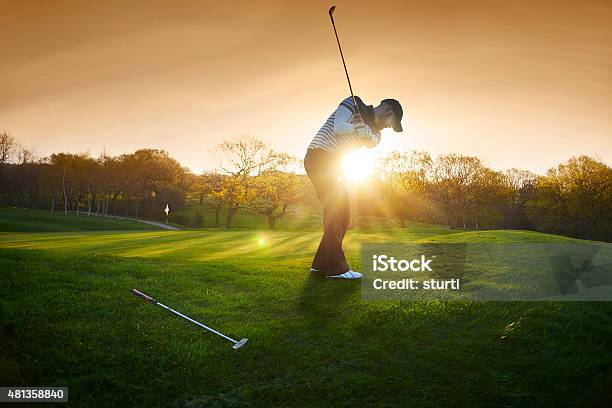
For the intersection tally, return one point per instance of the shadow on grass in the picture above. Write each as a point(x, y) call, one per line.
point(325, 298)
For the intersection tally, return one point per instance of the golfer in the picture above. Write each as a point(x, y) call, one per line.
point(348, 128)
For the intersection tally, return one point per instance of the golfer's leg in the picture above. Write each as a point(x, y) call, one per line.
point(329, 256)
point(335, 223)
point(345, 211)
point(320, 261)
point(319, 174)
point(337, 230)
point(323, 173)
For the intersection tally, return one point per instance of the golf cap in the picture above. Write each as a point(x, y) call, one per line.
point(398, 113)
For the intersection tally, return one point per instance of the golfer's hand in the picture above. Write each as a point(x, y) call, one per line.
point(356, 119)
point(363, 131)
point(375, 139)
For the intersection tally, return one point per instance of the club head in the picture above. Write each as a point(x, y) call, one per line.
point(241, 343)
point(331, 10)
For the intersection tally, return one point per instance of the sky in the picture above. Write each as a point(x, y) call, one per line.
point(524, 84)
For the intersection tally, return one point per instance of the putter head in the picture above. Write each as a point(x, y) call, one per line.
point(241, 343)
point(331, 10)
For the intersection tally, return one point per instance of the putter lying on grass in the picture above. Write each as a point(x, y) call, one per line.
point(237, 344)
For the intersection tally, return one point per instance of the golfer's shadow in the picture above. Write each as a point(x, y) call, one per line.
point(323, 299)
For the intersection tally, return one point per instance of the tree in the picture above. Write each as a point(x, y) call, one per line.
point(488, 197)
point(453, 187)
point(212, 187)
point(275, 190)
point(7, 147)
point(402, 183)
point(574, 199)
point(521, 185)
point(241, 160)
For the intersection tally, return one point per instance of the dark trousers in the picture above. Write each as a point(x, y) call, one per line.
point(325, 172)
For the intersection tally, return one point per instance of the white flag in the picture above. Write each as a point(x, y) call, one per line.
point(167, 210)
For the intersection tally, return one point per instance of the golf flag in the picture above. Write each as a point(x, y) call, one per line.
point(167, 210)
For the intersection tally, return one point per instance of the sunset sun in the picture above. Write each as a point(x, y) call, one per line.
point(358, 165)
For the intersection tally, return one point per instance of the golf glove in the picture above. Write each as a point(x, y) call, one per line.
point(364, 132)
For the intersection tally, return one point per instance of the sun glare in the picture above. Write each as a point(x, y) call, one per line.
point(358, 165)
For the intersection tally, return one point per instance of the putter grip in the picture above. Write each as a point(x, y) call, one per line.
point(148, 298)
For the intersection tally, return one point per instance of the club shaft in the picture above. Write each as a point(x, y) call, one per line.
point(344, 63)
point(197, 323)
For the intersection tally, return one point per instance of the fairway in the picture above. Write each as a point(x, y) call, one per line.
point(28, 220)
point(67, 318)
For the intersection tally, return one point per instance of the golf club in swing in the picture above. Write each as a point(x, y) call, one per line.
point(237, 344)
point(331, 15)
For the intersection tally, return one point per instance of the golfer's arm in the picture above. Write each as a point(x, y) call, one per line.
point(343, 126)
point(342, 122)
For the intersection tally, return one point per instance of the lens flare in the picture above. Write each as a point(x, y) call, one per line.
point(358, 165)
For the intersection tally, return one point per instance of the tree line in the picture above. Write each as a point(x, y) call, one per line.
point(573, 198)
point(131, 185)
point(249, 177)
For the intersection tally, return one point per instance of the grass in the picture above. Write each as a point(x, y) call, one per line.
point(297, 217)
point(203, 215)
point(28, 220)
point(67, 318)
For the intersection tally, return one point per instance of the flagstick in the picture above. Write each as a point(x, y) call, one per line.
point(167, 210)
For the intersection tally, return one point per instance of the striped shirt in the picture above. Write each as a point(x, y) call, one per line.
point(344, 131)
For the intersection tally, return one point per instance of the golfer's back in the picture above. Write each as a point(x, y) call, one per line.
point(337, 135)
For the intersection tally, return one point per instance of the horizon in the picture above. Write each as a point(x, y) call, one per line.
point(517, 85)
point(361, 154)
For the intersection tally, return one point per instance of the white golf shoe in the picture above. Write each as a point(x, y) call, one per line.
point(350, 274)
point(313, 270)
